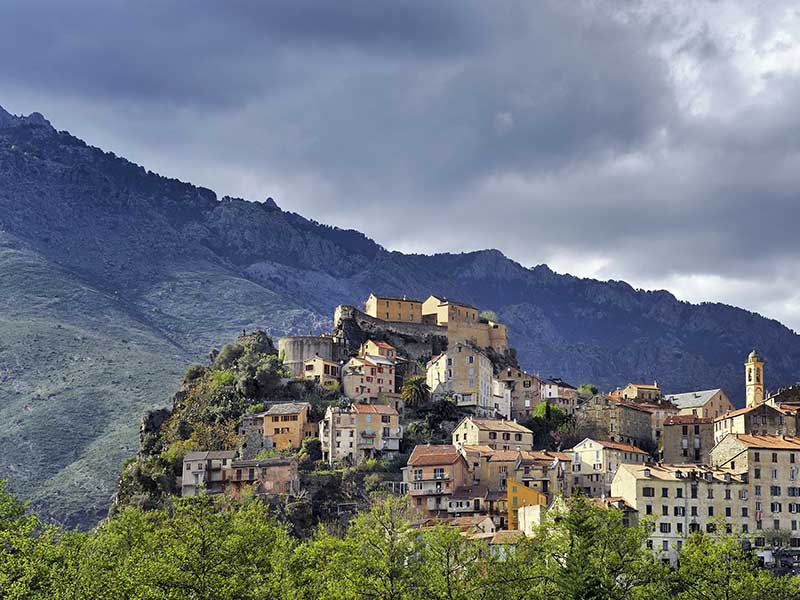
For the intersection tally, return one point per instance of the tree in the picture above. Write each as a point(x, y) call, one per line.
point(587, 390)
point(415, 391)
point(545, 422)
point(718, 567)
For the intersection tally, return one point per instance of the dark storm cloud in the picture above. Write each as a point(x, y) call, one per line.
point(657, 141)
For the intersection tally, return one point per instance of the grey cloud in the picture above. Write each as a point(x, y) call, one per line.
point(620, 134)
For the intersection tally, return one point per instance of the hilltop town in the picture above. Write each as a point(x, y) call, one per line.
point(428, 399)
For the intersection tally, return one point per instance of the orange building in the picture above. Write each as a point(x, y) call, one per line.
point(433, 474)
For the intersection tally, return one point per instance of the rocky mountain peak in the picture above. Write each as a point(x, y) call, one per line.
point(9, 120)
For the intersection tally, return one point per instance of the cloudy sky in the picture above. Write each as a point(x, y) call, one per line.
point(656, 142)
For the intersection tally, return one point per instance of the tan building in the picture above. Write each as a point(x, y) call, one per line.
point(356, 432)
point(770, 465)
point(440, 310)
point(465, 373)
point(365, 378)
point(639, 392)
point(683, 499)
point(206, 472)
point(388, 308)
point(432, 475)
point(706, 403)
point(595, 462)
point(758, 419)
point(618, 421)
point(754, 379)
point(658, 413)
point(559, 392)
point(688, 439)
point(526, 391)
point(497, 434)
point(378, 348)
point(325, 373)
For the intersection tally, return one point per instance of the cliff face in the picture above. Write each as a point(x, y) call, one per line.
point(113, 279)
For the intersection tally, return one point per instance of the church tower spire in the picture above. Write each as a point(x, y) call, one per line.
point(754, 379)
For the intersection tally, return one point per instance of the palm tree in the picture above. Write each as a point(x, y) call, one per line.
point(415, 391)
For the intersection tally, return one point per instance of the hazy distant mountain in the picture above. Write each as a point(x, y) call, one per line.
point(113, 279)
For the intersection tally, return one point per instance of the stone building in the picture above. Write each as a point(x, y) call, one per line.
point(526, 391)
point(269, 476)
point(618, 421)
point(295, 350)
point(365, 378)
point(638, 392)
point(687, 439)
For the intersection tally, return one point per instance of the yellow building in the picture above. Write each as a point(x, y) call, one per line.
point(367, 378)
point(377, 348)
point(388, 308)
point(356, 432)
point(520, 495)
point(495, 433)
point(465, 373)
point(287, 424)
point(326, 373)
point(754, 379)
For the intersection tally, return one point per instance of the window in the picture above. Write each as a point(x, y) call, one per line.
point(665, 492)
point(744, 511)
point(757, 456)
point(665, 528)
point(757, 473)
point(710, 511)
point(648, 492)
point(665, 510)
point(648, 509)
point(679, 493)
point(774, 457)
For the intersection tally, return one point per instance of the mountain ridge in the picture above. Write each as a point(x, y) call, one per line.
point(155, 272)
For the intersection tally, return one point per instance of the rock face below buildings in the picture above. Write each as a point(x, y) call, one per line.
point(113, 279)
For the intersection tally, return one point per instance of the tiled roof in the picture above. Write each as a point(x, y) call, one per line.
point(511, 536)
point(745, 410)
point(504, 455)
point(377, 360)
point(427, 455)
point(468, 492)
point(561, 383)
point(212, 455)
point(443, 300)
point(483, 449)
point(668, 472)
point(396, 299)
point(287, 408)
point(612, 445)
point(372, 409)
point(692, 399)
point(499, 425)
point(767, 442)
point(383, 345)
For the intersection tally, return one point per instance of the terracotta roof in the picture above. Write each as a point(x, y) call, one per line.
point(498, 425)
point(287, 408)
point(650, 407)
point(504, 455)
point(372, 409)
point(687, 420)
point(619, 446)
point(777, 442)
point(427, 455)
point(647, 386)
point(382, 345)
point(549, 455)
point(482, 449)
point(745, 410)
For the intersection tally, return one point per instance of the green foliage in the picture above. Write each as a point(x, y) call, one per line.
point(208, 548)
point(489, 315)
point(587, 390)
point(415, 391)
point(221, 378)
point(548, 422)
point(312, 448)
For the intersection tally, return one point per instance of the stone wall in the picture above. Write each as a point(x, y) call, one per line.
point(296, 349)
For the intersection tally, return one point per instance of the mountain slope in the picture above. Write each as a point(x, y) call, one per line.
point(113, 279)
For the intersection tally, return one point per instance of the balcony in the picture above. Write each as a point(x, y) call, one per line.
point(428, 489)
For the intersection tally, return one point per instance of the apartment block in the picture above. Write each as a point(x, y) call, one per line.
point(595, 462)
point(495, 433)
point(687, 439)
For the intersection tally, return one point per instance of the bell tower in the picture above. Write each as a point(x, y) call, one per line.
point(754, 379)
